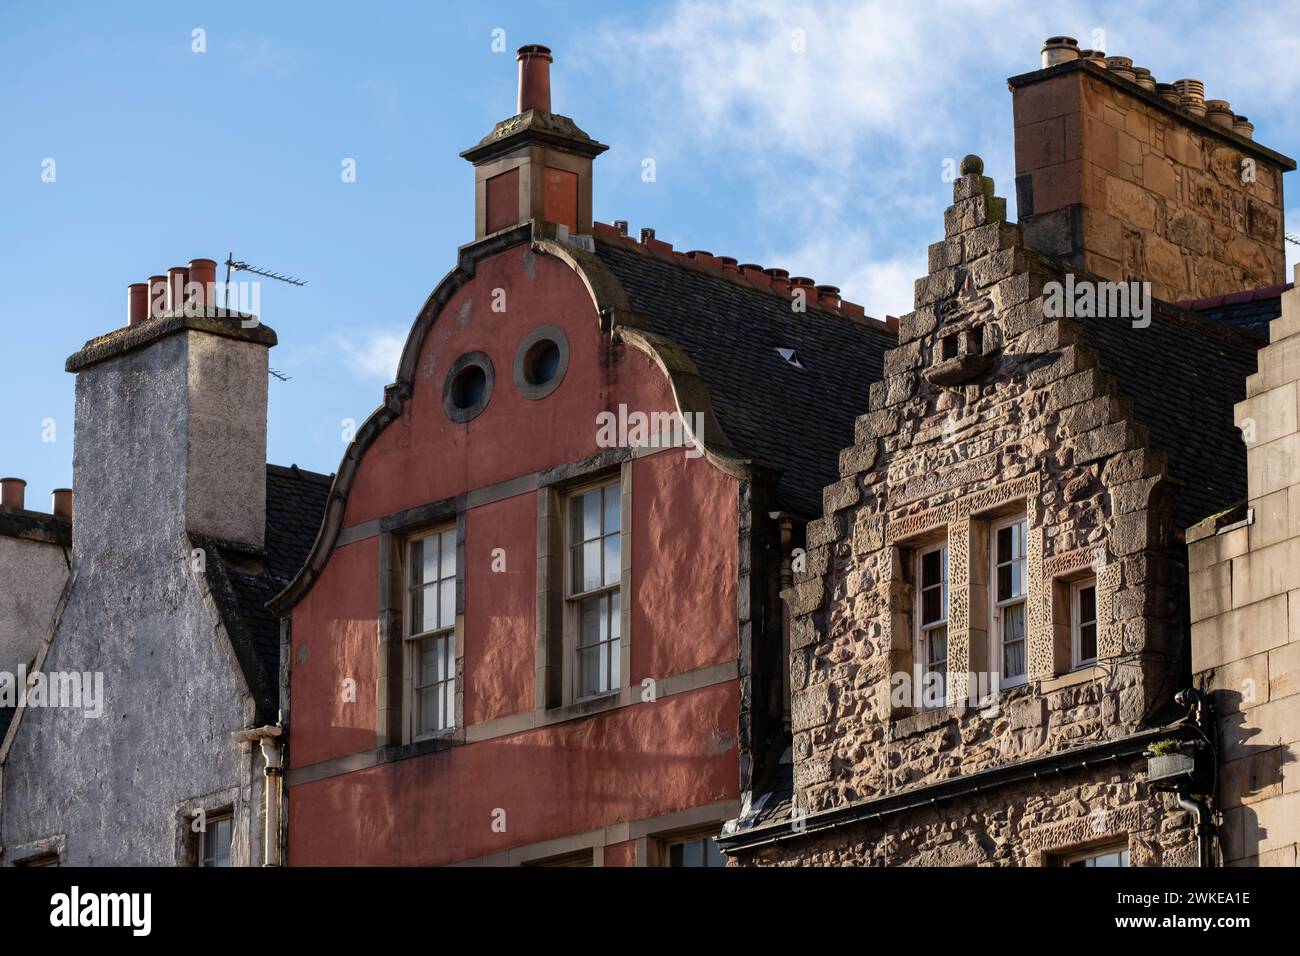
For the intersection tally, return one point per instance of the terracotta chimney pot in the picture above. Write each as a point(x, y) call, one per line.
point(534, 78)
point(12, 493)
point(61, 503)
point(137, 303)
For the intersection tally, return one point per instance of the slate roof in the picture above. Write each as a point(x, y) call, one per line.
point(795, 419)
point(1249, 311)
point(295, 508)
point(1183, 374)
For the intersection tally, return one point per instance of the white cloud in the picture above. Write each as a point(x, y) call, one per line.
point(843, 144)
point(374, 355)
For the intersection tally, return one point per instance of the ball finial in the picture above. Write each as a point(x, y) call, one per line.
point(972, 165)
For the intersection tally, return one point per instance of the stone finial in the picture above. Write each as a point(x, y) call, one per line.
point(972, 165)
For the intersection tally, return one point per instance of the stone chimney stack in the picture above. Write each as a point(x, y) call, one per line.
point(170, 431)
point(1130, 178)
point(536, 165)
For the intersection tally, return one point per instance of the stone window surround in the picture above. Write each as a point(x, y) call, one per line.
point(994, 526)
point(42, 852)
point(556, 622)
point(657, 846)
point(915, 552)
point(221, 803)
point(1077, 588)
point(543, 333)
point(410, 650)
point(481, 361)
point(966, 522)
point(394, 699)
point(1112, 831)
point(646, 832)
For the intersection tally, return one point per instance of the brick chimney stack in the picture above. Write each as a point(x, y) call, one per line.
point(1128, 178)
point(536, 165)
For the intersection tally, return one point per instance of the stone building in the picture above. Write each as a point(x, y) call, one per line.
point(451, 647)
point(990, 634)
point(163, 746)
point(34, 560)
point(1245, 614)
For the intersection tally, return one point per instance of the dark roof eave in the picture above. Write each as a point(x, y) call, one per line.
point(894, 803)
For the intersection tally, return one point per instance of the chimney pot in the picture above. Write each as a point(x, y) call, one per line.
point(157, 296)
point(1219, 112)
point(1144, 78)
point(12, 493)
point(1191, 96)
point(203, 275)
point(647, 234)
point(829, 295)
point(621, 226)
point(534, 78)
point(1059, 50)
point(1121, 66)
point(780, 279)
point(1243, 127)
point(137, 303)
point(177, 276)
point(61, 503)
point(729, 264)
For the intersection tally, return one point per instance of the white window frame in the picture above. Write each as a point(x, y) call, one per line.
point(209, 821)
point(997, 607)
point(1119, 850)
point(921, 630)
point(443, 635)
point(613, 677)
point(1076, 623)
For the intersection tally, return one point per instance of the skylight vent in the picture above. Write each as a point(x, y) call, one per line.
point(791, 357)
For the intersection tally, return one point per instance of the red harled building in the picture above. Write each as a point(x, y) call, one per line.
point(541, 622)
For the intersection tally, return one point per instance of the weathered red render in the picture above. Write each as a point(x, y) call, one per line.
point(630, 764)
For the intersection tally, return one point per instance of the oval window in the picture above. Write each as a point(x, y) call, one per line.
point(468, 387)
point(541, 362)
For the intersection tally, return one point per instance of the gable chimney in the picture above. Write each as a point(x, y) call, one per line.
point(1131, 179)
point(170, 429)
point(536, 165)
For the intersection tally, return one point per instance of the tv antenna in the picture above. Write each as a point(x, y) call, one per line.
point(1292, 238)
point(238, 266)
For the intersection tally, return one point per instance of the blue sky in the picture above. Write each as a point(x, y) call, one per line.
point(809, 135)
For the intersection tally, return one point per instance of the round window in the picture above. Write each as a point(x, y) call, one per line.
point(468, 387)
point(541, 361)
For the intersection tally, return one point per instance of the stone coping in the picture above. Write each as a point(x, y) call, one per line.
point(217, 321)
point(1201, 125)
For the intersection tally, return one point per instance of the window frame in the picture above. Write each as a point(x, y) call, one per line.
point(412, 641)
point(201, 843)
point(1077, 660)
point(1079, 858)
point(573, 599)
point(997, 607)
point(706, 836)
point(921, 630)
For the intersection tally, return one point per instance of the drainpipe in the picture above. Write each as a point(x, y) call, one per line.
point(1204, 827)
point(269, 738)
point(785, 526)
